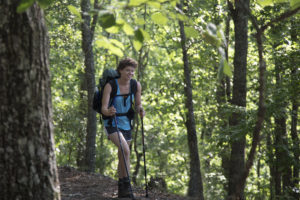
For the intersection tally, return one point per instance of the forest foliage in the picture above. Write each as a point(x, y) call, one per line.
point(148, 31)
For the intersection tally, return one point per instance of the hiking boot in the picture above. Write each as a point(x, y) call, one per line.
point(120, 188)
point(125, 191)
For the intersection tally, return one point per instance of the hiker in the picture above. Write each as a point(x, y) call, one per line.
point(122, 104)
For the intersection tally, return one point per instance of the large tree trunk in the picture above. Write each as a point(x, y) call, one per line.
point(87, 38)
point(27, 159)
point(295, 58)
point(237, 157)
point(195, 184)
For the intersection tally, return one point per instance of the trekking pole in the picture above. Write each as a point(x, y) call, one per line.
point(144, 156)
point(131, 192)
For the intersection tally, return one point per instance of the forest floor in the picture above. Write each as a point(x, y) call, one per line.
point(78, 185)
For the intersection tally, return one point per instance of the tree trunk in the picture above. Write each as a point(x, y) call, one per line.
point(27, 159)
point(195, 184)
point(283, 171)
point(295, 105)
point(237, 158)
point(87, 47)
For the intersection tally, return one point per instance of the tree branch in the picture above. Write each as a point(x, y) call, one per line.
point(280, 18)
point(95, 17)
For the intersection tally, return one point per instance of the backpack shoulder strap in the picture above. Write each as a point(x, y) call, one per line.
point(133, 86)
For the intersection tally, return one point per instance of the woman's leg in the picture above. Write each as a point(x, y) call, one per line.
point(125, 145)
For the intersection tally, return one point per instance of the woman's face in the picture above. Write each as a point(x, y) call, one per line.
point(127, 72)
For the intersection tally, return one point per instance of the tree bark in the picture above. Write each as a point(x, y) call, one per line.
point(283, 171)
point(195, 183)
point(87, 47)
point(295, 105)
point(237, 157)
point(27, 159)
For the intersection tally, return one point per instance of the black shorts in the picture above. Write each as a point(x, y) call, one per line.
point(126, 133)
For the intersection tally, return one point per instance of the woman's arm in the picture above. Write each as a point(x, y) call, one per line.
point(108, 111)
point(138, 100)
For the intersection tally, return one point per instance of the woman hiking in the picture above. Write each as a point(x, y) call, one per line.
point(121, 112)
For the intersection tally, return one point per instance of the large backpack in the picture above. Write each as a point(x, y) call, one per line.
point(109, 76)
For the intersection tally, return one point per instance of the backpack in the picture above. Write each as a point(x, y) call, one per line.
point(109, 76)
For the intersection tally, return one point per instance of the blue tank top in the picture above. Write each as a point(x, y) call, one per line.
point(122, 105)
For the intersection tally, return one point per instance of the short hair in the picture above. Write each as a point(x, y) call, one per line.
point(127, 62)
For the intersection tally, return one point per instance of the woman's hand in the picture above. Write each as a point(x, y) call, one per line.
point(111, 111)
point(141, 111)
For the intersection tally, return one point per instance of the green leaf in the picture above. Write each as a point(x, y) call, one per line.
point(181, 17)
point(145, 35)
point(280, 1)
point(190, 32)
point(113, 46)
point(24, 5)
point(295, 4)
point(128, 29)
point(138, 35)
point(103, 42)
point(227, 69)
point(140, 21)
point(136, 2)
point(159, 18)
point(44, 3)
point(173, 3)
point(117, 43)
point(264, 3)
point(154, 4)
point(115, 50)
point(138, 39)
point(74, 11)
point(107, 20)
point(137, 45)
point(113, 29)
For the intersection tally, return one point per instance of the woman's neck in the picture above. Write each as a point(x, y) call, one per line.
point(123, 81)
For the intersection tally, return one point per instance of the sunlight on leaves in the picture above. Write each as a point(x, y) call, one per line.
point(159, 18)
point(136, 2)
point(154, 4)
point(117, 43)
point(128, 29)
point(140, 21)
point(114, 29)
point(74, 11)
point(115, 50)
point(137, 44)
point(191, 32)
point(114, 46)
point(295, 4)
point(145, 35)
point(264, 3)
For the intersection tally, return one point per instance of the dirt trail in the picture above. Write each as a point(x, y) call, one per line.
point(78, 185)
